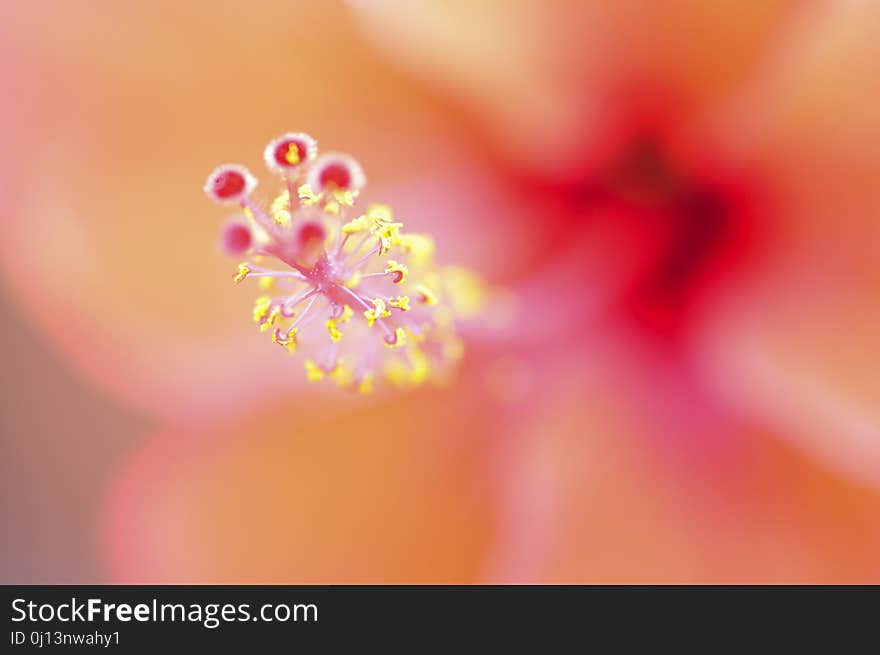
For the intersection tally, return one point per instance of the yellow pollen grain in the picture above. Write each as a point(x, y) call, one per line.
point(307, 196)
point(345, 198)
point(342, 376)
point(420, 366)
point(313, 371)
point(261, 308)
point(400, 339)
point(289, 341)
point(379, 310)
point(356, 225)
point(466, 291)
point(335, 334)
point(410, 372)
point(401, 302)
point(427, 296)
point(419, 247)
point(243, 271)
point(280, 208)
point(390, 231)
point(366, 384)
point(270, 319)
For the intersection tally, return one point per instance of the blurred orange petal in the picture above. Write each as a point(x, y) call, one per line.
point(808, 121)
point(387, 494)
point(606, 475)
point(545, 77)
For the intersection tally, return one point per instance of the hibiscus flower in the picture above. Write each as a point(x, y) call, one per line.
point(680, 199)
point(726, 153)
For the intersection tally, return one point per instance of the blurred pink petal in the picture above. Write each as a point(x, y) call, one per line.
point(713, 501)
point(802, 356)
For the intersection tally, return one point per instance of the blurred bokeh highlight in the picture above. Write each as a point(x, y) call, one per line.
point(678, 199)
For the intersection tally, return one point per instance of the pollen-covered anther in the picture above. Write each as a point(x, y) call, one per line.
point(400, 302)
point(397, 271)
point(270, 319)
point(286, 339)
point(333, 329)
point(396, 339)
point(388, 230)
point(266, 312)
point(230, 184)
point(289, 151)
point(243, 270)
point(426, 295)
point(313, 371)
point(377, 311)
point(335, 172)
point(307, 195)
point(356, 225)
point(345, 198)
point(280, 209)
point(388, 235)
point(345, 314)
point(261, 308)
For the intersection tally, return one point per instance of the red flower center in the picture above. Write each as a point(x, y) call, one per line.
point(687, 226)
